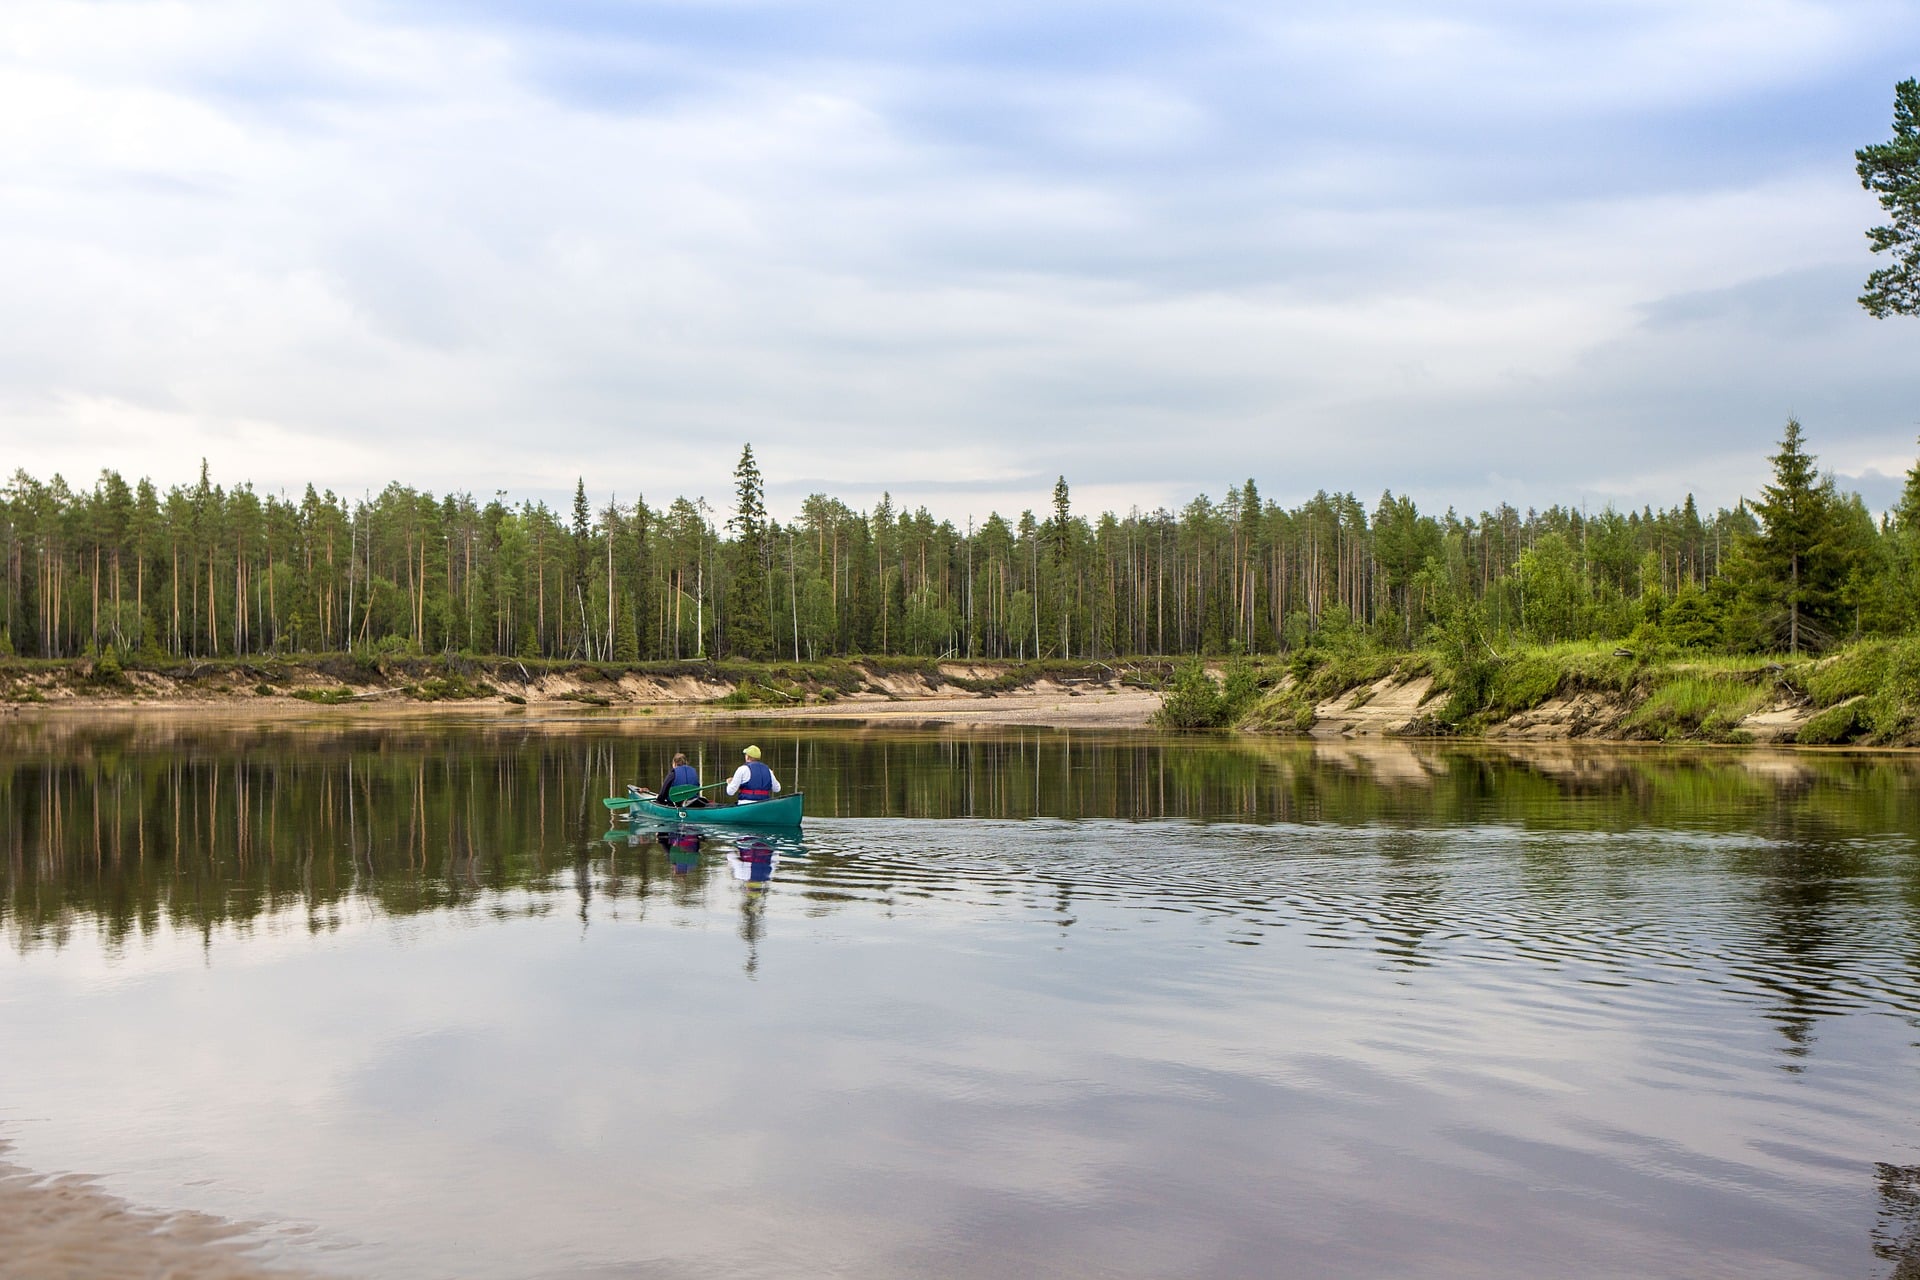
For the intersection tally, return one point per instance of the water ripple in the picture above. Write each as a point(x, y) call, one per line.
point(1614, 911)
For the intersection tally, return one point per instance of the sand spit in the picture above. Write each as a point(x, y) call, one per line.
point(1090, 695)
point(1045, 704)
point(66, 1228)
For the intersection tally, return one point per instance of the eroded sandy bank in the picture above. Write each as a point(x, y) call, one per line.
point(876, 696)
point(1395, 707)
point(1045, 705)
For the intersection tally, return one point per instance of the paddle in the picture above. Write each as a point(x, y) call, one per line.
point(621, 802)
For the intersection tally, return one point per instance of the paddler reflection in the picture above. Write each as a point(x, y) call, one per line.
point(752, 859)
point(683, 849)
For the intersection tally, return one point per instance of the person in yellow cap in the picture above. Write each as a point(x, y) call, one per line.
point(752, 780)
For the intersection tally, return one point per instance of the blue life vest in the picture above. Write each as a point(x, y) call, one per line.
point(683, 775)
point(759, 783)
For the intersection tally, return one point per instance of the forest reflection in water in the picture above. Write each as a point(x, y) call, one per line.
point(1663, 1000)
point(137, 824)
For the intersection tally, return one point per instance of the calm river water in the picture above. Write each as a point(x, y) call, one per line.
point(1016, 1004)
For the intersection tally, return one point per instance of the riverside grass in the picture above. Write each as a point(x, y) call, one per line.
point(1695, 707)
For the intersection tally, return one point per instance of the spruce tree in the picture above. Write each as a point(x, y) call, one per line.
point(1907, 514)
point(1891, 170)
point(579, 552)
point(749, 629)
point(1906, 547)
point(1056, 599)
point(626, 640)
point(1796, 566)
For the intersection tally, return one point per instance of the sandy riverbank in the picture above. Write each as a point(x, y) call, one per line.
point(872, 692)
point(1044, 703)
point(66, 1228)
point(869, 692)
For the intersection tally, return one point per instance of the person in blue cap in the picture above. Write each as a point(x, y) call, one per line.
point(753, 780)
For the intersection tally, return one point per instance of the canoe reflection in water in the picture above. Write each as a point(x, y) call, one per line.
point(683, 849)
point(753, 859)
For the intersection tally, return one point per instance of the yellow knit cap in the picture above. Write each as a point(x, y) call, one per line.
point(752, 753)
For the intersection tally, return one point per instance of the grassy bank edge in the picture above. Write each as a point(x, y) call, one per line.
point(1867, 693)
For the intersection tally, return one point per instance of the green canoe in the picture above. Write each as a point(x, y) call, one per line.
point(781, 812)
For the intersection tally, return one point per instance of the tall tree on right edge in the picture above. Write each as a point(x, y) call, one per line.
point(1891, 170)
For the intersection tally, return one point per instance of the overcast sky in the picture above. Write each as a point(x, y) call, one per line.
point(1470, 250)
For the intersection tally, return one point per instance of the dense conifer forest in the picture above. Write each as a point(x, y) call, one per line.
point(203, 570)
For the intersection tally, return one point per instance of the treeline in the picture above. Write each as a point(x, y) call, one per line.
point(200, 570)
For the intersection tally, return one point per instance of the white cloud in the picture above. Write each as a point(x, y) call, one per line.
point(320, 242)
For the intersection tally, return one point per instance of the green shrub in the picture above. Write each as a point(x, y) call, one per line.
point(452, 687)
point(754, 693)
point(1850, 674)
point(1241, 687)
point(1647, 642)
point(325, 697)
point(1194, 701)
point(1245, 697)
point(1842, 723)
point(1467, 666)
point(107, 673)
point(1895, 705)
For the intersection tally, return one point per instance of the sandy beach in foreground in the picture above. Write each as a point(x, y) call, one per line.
point(66, 1228)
